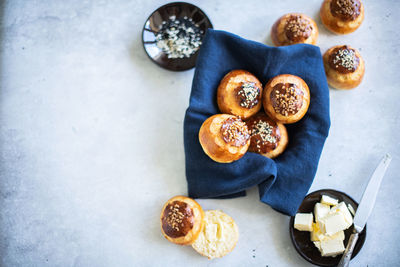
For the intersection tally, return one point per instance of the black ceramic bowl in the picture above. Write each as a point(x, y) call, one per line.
point(153, 24)
point(301, 239)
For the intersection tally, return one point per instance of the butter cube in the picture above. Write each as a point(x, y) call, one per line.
point(318, 245)
point(338, 236)
point(329, 200)
point(211, 231)
point(317, 235)
point(303, 221)
point(321, 225)
point(320, 211)
point(342, 208)
point(333, 223)
point(331, 248)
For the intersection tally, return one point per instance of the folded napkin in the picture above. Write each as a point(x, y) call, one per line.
point(284, 181)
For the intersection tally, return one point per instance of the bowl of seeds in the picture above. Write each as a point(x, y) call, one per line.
point(173, 34)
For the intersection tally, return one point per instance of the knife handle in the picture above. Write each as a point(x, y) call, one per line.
point(344, 262)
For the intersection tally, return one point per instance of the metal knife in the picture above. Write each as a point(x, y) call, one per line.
point(365, 208)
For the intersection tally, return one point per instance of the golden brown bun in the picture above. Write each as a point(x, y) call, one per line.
point(342, 20)
point(182, 220)
point(286, 98)
point(219, 236)
point(239, 93)
point(294, 28)
point(224, 138)
point(337, 75)
point(268, 138)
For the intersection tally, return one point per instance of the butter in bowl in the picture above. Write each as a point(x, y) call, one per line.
point(322, 227)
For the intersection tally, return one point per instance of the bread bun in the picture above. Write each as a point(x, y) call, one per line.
point(239, 93)
point(224, 138)
point(294, 28)
point(286, 98)
point(268, 138)
point(342, 16)
point(182, 220)
point(219, 236)
point(344, 67)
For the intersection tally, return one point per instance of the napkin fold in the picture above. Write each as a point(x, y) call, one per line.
point(284, 181)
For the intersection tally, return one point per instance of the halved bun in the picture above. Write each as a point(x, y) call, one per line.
point(219, 236)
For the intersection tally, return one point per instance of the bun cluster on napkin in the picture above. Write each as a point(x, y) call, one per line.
point(282, 182)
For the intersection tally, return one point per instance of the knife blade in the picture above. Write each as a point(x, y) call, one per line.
point(368, 199)
point(365, 207)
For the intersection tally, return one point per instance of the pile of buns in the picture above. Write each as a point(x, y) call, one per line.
point(344, 66)
point(212, 233)
point(243, 126)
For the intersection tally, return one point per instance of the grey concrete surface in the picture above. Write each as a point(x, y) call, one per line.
point(91, 136)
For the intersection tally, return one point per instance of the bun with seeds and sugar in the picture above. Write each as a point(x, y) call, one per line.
point(239, 93)
point(342, 16)
point(182, 220)
point(294, 28)
point(224, 138)
point(268, 138)
point(344, 67)
point(286, 98)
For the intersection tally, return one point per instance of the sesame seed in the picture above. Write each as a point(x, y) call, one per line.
point(235, 132)
point(175, 215)
point(297, 28)
point(249, 95)
point(345, 9)
point(265, 130)
point(344, 59)
point(179, 38)
point(286, 99)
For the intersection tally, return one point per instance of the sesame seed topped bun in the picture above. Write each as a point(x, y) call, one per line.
point(342, 16)
point(181, 220)
point(286, 98)
point(344, 67)
point(224, 138)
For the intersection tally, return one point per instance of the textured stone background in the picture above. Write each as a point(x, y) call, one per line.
point(91, 136)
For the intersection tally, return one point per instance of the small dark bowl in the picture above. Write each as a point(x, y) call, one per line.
point(155, 20)
point(301, 240)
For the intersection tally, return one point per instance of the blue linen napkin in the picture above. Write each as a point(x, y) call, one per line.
point(284, 181)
